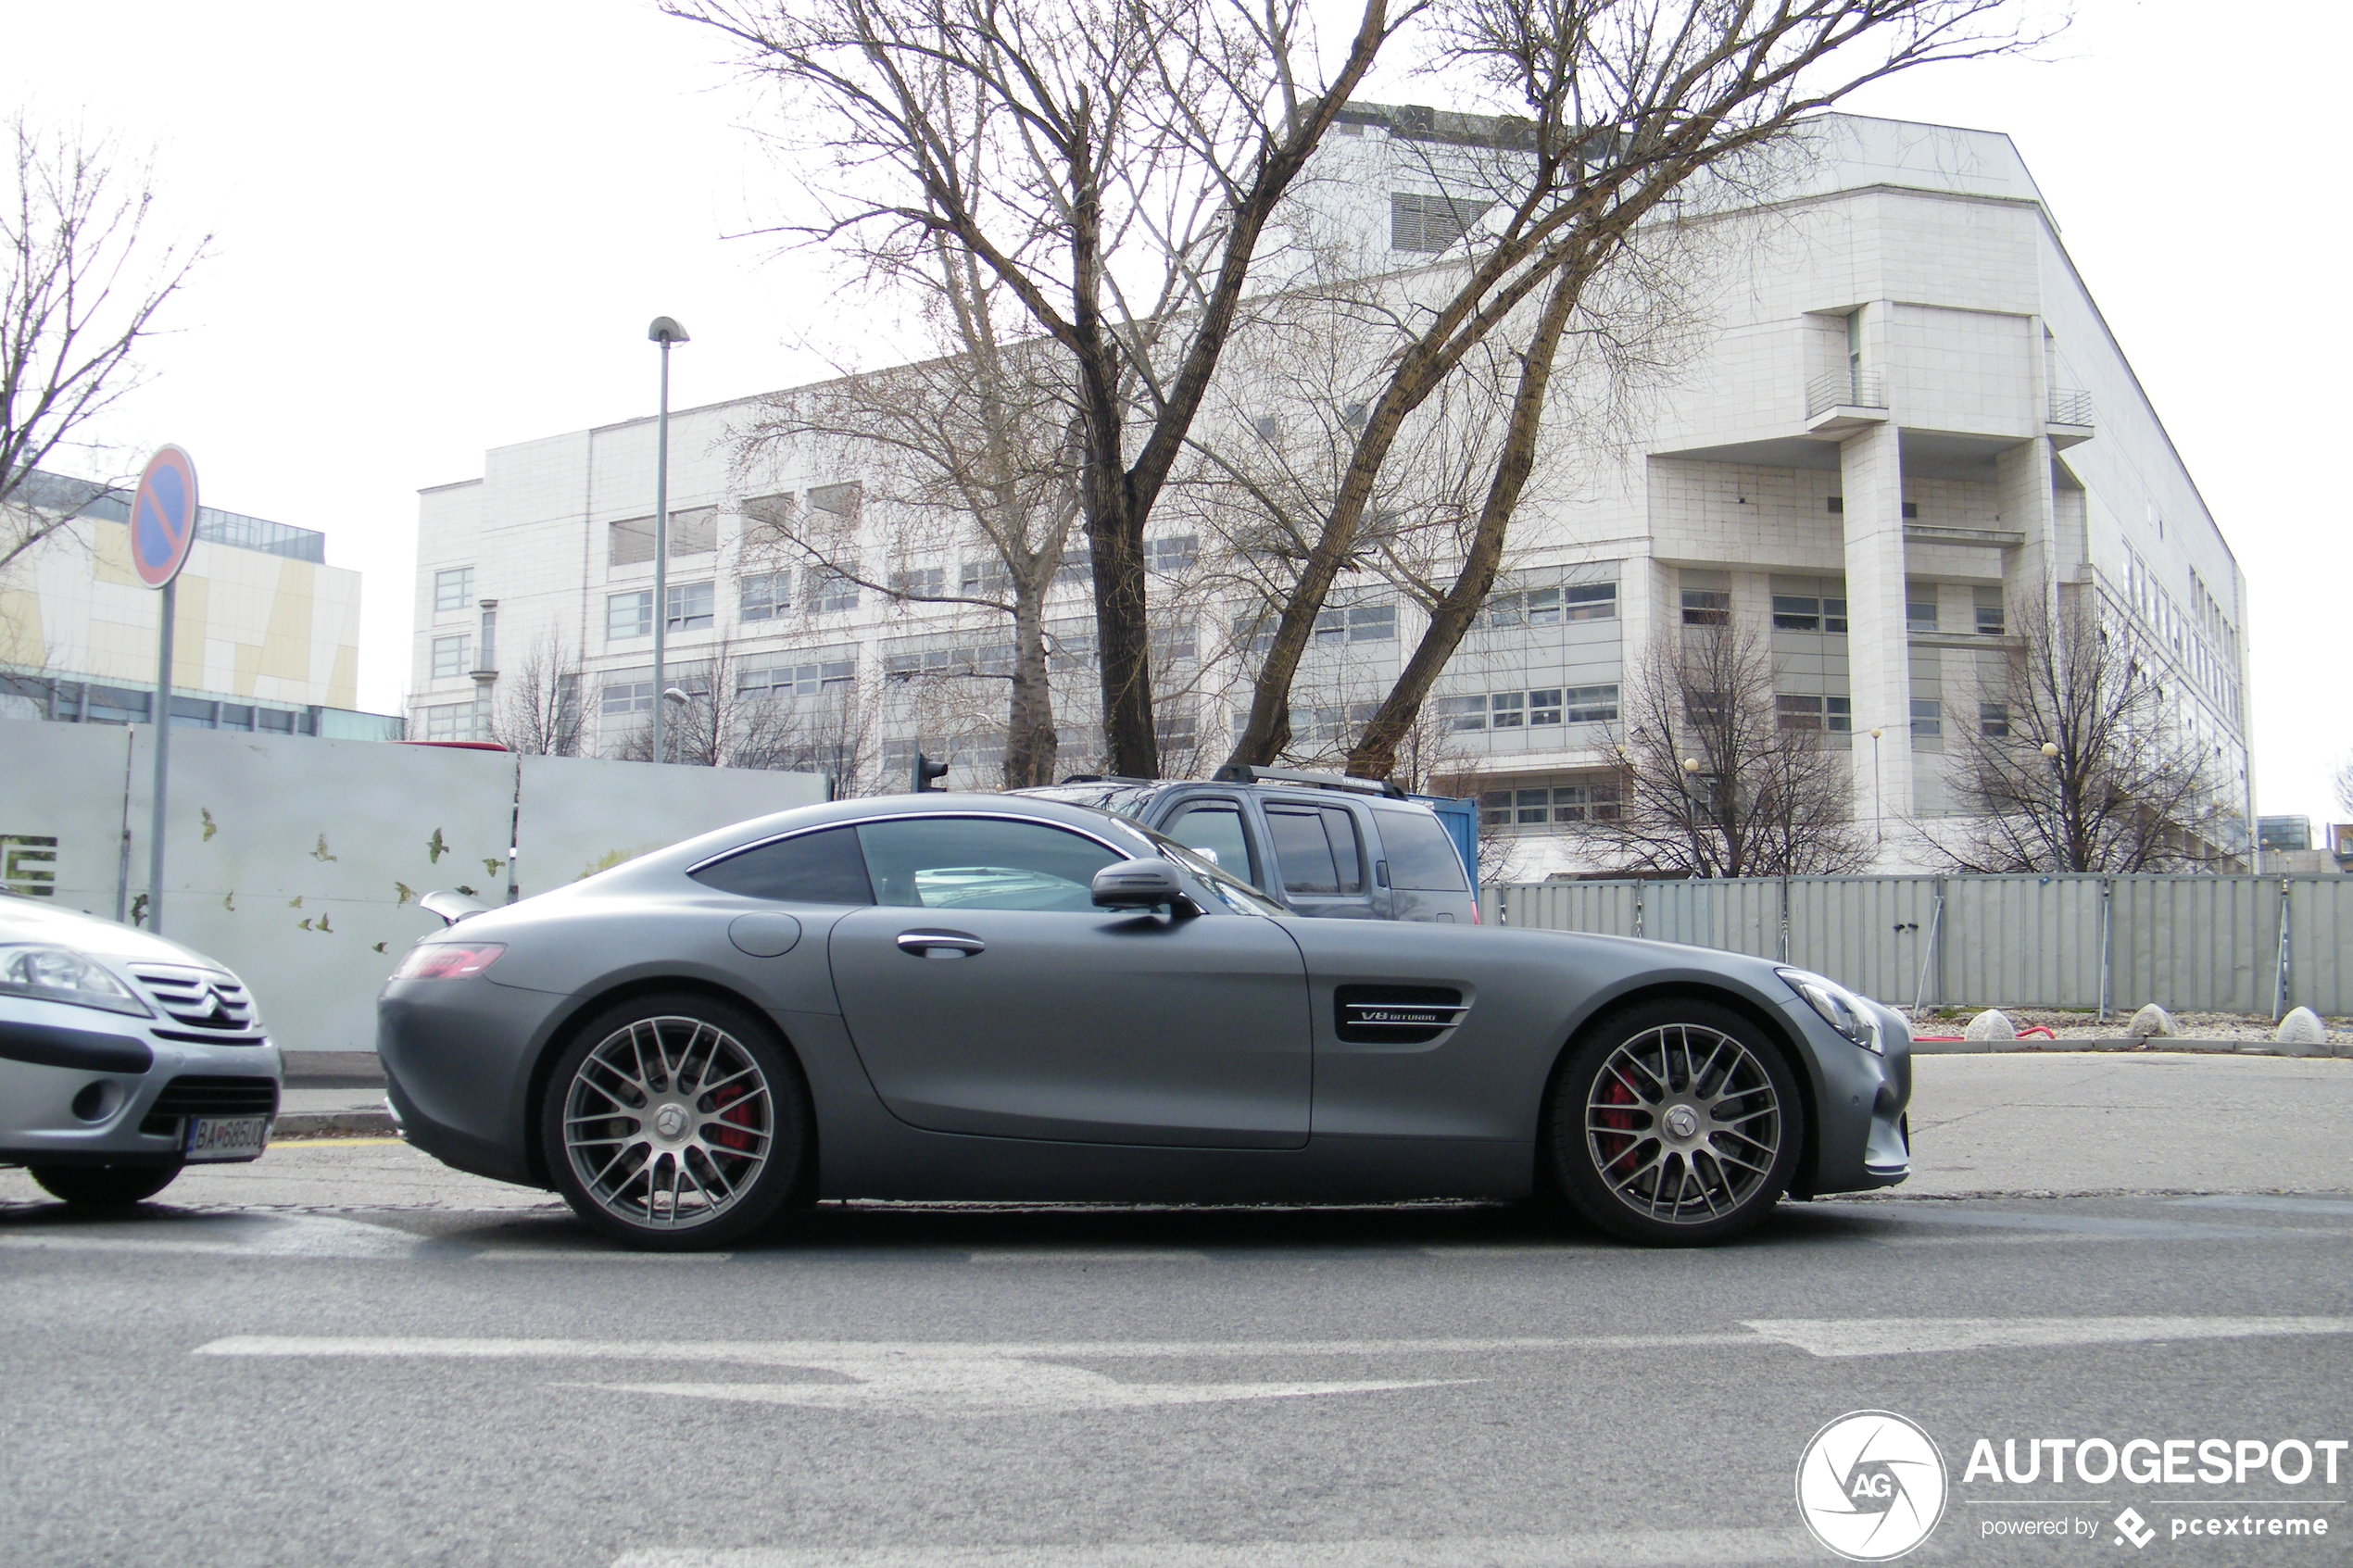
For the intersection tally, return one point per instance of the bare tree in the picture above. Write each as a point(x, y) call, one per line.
point(970, 485)
point(2342, 782)
point(2080, 762)
point(86, 280)
point(1714, 780)
point(1115, 166)
point(1632, 106)
point(538, 710)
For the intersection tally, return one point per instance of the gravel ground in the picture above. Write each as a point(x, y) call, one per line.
point(2087, 1026)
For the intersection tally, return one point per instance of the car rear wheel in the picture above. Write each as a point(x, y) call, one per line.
point(676, 1121)
point(1675, 1123)
point(105, 1186)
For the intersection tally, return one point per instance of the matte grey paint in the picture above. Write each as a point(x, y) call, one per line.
point(1098, 1054)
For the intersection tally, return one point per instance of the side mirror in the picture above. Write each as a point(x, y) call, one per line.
point(451, 907)
point(1139, 885)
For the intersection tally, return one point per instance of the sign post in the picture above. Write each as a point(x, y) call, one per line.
point(163, 527)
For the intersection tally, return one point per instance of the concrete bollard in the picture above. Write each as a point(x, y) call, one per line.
point(2302, 1033)
point(1991, 1024)
point(2151, 1020)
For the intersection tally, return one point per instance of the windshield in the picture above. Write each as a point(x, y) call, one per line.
point(1237, 895)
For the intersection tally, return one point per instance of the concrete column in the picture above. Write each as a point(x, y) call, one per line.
point(1878, 653)
point(2023, 486)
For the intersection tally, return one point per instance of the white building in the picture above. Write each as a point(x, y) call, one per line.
point(1908, 415)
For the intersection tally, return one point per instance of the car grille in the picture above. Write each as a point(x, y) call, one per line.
point(196, 1094)
point(208, 1005)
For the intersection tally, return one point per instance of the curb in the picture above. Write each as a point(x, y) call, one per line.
point(2156, 1043)
point(334, 1124)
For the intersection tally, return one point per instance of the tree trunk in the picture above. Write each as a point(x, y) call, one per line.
point(1375, 753)
point(1031, 741)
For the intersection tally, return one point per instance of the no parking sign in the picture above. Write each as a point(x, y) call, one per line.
point(163, 517)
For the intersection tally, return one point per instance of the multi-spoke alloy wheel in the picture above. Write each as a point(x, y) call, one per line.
point(674, 1121)
point(1684, 1125)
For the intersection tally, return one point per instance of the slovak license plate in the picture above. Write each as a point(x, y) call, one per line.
point(226, 1137)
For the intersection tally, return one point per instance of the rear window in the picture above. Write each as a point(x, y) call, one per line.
point(1316, 851)
point(1422, 857)
point(813, 868)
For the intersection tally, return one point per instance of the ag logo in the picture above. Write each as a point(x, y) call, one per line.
point(1870, 1485)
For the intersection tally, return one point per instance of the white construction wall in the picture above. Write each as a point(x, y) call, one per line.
point(299, 862)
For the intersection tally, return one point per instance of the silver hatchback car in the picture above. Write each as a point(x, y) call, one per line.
point(123, 1057)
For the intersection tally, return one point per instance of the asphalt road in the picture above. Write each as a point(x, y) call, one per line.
point(310, 1376)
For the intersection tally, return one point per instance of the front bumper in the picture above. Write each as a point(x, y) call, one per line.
point(84, 1087)
point(1862, 1139)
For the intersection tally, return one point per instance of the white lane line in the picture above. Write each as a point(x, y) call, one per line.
point(1616, 1548)
point(1079, 1255)
point(969, 1387)
point(563, 1255)
point(1908, 1337)
point(277, 1236)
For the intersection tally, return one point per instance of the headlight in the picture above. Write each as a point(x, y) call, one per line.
point(1840, 1008)
point(60, 974)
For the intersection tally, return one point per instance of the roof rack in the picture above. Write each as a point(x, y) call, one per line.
point(1242, 772)
point(1104, 778)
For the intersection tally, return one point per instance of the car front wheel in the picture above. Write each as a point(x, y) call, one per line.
point(105, 1186)
point(1675, 1123)
point(676, 1121)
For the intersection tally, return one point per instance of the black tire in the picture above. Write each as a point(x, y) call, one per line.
point(1675, 1122)
point(105, 1186)
point(705, 1165)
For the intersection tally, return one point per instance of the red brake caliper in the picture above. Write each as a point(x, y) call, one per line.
point(1616, 1093)
point(738, 1134)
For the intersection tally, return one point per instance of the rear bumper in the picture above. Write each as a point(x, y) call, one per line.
point(456, 1056)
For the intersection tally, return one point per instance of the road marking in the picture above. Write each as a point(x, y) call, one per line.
point(576, 1255)
point(963, 1387)
point(2091, 1226)
point(1616, 1548)
point(1079, 1255)
point(240, 1236)
point(2267, 1202)
point(1832, 1337)
point(810, 1352)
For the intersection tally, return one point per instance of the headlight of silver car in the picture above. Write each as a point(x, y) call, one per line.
point(60, 974)
point(1840, 1008)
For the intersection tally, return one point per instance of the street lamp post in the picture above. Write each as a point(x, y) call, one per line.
point(681, 697)
point(665, 331)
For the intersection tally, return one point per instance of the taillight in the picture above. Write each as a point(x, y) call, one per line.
point(447, 960)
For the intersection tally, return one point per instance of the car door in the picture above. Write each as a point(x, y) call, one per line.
point(1217, 825)
point(1322, 859)
point(986, 994)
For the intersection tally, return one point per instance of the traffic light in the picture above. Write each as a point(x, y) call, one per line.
point(927, 770)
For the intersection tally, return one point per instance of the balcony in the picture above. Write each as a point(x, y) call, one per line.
point(1845, 401)
point(2071, 420)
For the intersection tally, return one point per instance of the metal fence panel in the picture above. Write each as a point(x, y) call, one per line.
point(61, 812)
point(2020, 941)
point(1604, 909)
point(581, 815)
point(2319, 941)
point(2195, 944)
point(1869, 932)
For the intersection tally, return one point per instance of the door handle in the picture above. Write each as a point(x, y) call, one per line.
point(921, 944)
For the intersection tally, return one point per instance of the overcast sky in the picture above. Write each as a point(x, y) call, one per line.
point(443, 227)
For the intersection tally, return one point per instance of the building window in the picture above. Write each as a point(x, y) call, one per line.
point(921, 583)
point(840, 500)
point(1994, 720)
point(1543, 708)
point(1506, 710)
point(1077, 565)
point(1592, 601)
point(767, 518)
point(764, 597)
point(1372, 623)
point(1794, 614)
point(453, 589)
point(1172, 555)
point(629, 541)
point(1707, 606)
point(625, 692)
point(629, 615)
point(787, 678)
point(1559, 805)
point(449, 657)
point(1927, 717)
point(1920, 608)
point(1989, 611)
point(827, 592)
point(690, 607)
point(985, 578)
point(693, 532)
point(1463, 714)
point(449, 721)
point(1427, 225)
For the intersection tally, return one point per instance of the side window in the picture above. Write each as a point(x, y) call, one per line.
point(981, 863)
point(1217, 826)
point(1318, 848)
point(1421, 857)
point(815, 867)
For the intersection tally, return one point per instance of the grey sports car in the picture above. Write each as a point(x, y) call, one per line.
point(954, 996)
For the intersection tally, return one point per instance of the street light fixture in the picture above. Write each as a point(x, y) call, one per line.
point(665, 330)
point(681, 697)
